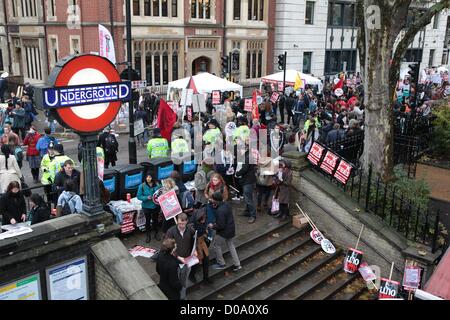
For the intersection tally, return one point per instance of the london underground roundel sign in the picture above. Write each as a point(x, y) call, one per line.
point(85, 92)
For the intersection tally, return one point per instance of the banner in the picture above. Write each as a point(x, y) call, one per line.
point(315, 153)
point(248, 105)
point(411, 278)
point(274, 97)
point(352, 260)
point(388, 289)
point(169, 204)
point(106, 44)
point(343, 171)
point(216, 97)
point(329, 162)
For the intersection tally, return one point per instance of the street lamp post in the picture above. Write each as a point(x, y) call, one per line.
point(132, 154)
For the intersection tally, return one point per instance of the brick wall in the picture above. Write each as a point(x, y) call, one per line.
point(105, 287)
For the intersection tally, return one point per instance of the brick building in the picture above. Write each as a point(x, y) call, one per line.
point(171, 38)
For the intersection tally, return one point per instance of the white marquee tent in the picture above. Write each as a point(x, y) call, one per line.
point(205, 83)
point(277, 78)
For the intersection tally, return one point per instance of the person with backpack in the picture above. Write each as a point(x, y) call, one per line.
point(107, 140)
point(264, 181)
point(200, 183)
point(19, 120)
point(151, 210)
point(67, 172)
point(44, 142)
point(69, 202)
point(33, 155)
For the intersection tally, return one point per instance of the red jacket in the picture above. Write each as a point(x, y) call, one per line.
point(31, 141)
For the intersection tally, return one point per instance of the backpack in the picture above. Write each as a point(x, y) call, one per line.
point(66, 207)
point(187, 200)
point(18, 153)
point(110, 143)
point(200, 180)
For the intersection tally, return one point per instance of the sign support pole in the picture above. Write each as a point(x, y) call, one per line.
point(91, 201)
point(284, 73)
point(132, 153)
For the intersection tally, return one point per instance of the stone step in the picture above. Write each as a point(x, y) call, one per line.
point(302, 270)
point(261, 270)
point(261, 249)
point(332, 286)
point(353, 291)
point(300, 288)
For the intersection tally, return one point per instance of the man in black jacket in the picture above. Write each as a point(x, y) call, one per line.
point(68, 172)
point(184, 237)
point(225, 232)
point(246, 173)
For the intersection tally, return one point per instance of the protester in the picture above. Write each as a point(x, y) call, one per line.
point(33, 154)
point(151, 210)
point(283, 181)
point(225, 232)
point(9, 135)
point(167, 266)
point(200, 225)
point(264, 181)
point(12, 204)
point(39, 211)
point(67, 172)
point(184, 237)
point(19, 120)
point(9, 169)
point(246, 174)
point(108, 142)
point(69, 202)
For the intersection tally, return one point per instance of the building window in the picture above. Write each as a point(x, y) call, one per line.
point(147, 8)
point(338, 60)
point(164, 8)
point(431, 59)
point(436, 21)
point(235, 61)
point(157, 68)
point(237, 10)
point(255, 51)
point(309, 15)
point(174, 66)
point(260, 57)
point(256, 10)
point(74, 46)
point(413, 55)
point(165, 68)
point(14, 8)
point(1, 59)
point(341, 15)
point(28, 8)
point(137, 7)
point(51, 8)
point(137, 62)
point(248, 65)
point(201, 9)
point(155, 8)
point(307, 62)
point(174, 8)
point(33, 60)
point(54, 51)
point(148, 69)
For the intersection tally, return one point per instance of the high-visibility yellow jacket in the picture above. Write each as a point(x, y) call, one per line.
point(158, 148)
point(211, 135)
point(242, 132)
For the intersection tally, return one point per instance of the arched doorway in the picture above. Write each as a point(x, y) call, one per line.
point(201, 64)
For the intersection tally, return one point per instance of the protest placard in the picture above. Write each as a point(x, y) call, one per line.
point(315, 153)
point(216, 97)
point(248, 106)
point(329, 162)
point(169, 204)
point(274, 97)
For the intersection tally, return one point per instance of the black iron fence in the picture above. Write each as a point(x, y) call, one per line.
point(399, 211)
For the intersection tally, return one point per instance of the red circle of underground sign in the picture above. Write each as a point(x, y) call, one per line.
point(66, 73)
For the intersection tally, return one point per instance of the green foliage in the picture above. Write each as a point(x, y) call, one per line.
point(414, 189)
point(441, 132)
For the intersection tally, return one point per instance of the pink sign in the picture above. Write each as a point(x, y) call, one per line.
point(315, 153)
point(343, 172)
point(248, 105)
point(274, 97)
point(169, 204)
point(329, 162)
point(411, 278)
point(216, 97)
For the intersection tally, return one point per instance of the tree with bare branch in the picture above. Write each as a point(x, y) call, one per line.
point(383, 38)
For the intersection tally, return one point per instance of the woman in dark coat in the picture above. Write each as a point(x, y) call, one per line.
point(284, 182)
point(39, 211)
point(12, 205)
point(167, 267)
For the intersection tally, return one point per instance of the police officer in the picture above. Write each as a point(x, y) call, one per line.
point(157, 147)
point(242, 131)
point(212, 133)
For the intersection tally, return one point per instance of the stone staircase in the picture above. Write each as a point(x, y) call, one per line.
point(281, 262)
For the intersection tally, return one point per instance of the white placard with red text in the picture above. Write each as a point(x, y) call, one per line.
point(274, 97)
point(248, 105)
point(315, 153)
point(169, 204)
point(329, 162)
point(216, 97)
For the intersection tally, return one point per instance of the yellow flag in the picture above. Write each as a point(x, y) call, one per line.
point(298, 82)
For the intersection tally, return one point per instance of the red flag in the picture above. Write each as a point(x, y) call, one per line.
point(166, 119)
point(191, 85)
point(340, 84)
point(255, 111)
